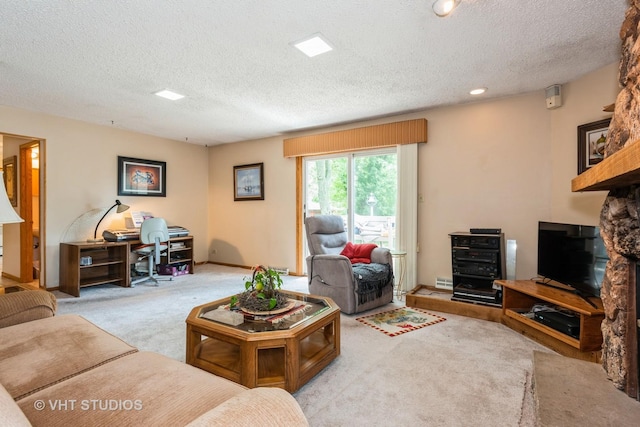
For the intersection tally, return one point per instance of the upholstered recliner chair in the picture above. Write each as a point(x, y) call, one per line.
point(354, 287)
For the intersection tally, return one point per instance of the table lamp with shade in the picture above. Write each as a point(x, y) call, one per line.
point(121, 208)
point(8, 214)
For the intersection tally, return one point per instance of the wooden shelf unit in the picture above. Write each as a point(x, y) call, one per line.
point(180, 255)
point(520, 296)
point(620, 169)
point(476, 261)
point(109, 264)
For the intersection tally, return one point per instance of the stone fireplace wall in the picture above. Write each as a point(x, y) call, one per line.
point(619, 222)
point(620, 232)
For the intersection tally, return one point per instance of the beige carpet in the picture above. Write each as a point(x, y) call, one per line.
point(456, 373)
point(570, 392)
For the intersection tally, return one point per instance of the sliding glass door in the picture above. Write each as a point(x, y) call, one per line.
point(361, 187)
point(326, 186)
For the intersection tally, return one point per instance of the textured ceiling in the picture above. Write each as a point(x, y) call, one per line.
point(101, 61)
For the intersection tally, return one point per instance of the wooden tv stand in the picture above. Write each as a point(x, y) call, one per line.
point(519, 296)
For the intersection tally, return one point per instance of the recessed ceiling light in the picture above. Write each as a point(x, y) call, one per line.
point(313, 45)
point(444, 7)
point(169, 95)
point(478, 91)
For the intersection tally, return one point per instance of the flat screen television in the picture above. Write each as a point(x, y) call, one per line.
point(573, 255)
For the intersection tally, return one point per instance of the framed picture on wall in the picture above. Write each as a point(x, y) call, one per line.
point(10, 178)
point(591, 140)
point(139, 177)
point(248, 182)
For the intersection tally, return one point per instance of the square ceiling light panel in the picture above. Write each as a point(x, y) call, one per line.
point(313, 45)
point(165, 93)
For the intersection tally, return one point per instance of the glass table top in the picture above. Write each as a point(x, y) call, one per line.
point(303, 307)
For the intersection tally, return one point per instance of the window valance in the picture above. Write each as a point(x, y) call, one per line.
point(368, 137)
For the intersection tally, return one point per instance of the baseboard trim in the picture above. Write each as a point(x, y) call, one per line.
point(248, 267)
point(10, 276)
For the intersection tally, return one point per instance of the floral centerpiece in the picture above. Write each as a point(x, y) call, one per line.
point(261, 292)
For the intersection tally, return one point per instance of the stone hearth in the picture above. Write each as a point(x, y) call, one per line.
point(619, 223)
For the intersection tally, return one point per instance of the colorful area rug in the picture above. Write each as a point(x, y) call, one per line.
point(400, 321)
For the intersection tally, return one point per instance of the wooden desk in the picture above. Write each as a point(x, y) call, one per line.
point(110, 263)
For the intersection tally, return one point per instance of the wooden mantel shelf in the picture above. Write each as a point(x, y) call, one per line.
point(620, 169)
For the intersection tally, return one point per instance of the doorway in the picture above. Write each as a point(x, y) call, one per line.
point(23, 244)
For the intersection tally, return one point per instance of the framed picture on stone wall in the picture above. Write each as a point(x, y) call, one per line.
point(591, 139)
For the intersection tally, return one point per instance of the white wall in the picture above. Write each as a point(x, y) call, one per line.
point(505, 163)
point(508, 164)
point(502, 163)
point(584, 100)
point(258, 231)
point(81, 161)
point(485, 165)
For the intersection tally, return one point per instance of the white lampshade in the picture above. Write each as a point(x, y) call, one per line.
point(7, 213)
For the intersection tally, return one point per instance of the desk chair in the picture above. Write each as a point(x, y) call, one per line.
point(154, 236)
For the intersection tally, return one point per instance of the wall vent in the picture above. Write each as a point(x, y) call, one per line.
point(443, 283)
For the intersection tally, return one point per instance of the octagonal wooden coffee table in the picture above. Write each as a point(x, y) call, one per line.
point(264, 351)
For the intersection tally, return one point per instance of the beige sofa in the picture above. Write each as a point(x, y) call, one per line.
point(65, 371)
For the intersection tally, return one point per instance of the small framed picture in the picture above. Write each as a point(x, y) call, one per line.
point(248, 182)
point(11, 179)
point(139, 177)
point(591, 141)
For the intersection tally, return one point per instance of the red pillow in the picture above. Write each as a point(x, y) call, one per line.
point(360, 252)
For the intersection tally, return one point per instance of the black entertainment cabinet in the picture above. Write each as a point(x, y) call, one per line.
point(477, 259)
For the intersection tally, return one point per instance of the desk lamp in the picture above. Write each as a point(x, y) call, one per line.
point(121, 208)
point(7, 213)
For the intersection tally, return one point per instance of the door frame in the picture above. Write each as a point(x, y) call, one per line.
point(26, 211)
